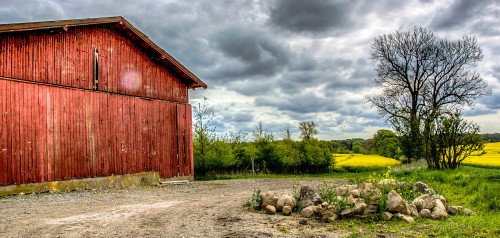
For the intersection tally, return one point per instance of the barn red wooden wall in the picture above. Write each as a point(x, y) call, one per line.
point(55, 133)
point(66, 58)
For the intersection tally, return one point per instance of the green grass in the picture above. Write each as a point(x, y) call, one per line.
point(475, 188)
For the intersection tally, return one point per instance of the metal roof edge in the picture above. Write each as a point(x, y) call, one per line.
point(65, 24)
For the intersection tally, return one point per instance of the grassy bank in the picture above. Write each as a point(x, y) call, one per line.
point(472, 187)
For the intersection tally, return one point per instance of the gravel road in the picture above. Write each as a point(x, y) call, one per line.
point(198, 209)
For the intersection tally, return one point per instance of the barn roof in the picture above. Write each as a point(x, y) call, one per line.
point(156, 53)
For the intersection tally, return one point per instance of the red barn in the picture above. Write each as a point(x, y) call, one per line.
point(90, 98)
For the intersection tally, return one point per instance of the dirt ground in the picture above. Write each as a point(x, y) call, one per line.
point(198, 209)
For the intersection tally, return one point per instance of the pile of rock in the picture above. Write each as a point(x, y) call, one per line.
point(284, 204)
point(362, 201)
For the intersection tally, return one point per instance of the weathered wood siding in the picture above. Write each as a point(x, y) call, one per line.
point(66, 58)
point(52, 133)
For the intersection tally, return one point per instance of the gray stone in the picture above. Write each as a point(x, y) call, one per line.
point(285, 200)
point(425, 213)
point(387, 216)
point(351, 200)
point(355, 193)
point(346, 212)
point(330, 219)
point(359, 208)
point(427, 201)
point(404, 217)
point(395, 203)
point(454, 210)
point(439, 211)
point(469, 212)
point(307, 212)
point(423, 188)
point(270, 209)
point(413, 210)
point(370, 209)
point(309, 196)
point(329, 211)
point(287, 210)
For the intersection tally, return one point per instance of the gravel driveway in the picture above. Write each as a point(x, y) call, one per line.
point(198, 209)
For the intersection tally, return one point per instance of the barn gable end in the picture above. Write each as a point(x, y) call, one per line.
point(89, 98)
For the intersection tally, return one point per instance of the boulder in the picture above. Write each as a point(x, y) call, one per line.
point(413, 210)
point(351, 200)
point(324, 204)
point(307, 212)
point(270, 209)
point(355, 193)
point(395, 203)
point(423, 188)
point(330, 218)
point(328, 212)
point(387, 216)
point(370, 209)
point(425, 213)
point(269, 199)
point(309, 196)
point(427, 201)
point(287, 210)
point(404, 217)
point(469, 212)
point(285, 200)
point(346, 212)
point(359, 208)
point(439, 211)
point(418, 203)
point(454, 210)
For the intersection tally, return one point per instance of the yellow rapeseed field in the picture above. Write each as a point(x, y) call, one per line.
point(490, 159)
point(363, 161)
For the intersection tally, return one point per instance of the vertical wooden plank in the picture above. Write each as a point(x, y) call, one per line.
point(16, 158)
point(10, 130)
point(189, 130)
point(4, 94)
point(42, 134)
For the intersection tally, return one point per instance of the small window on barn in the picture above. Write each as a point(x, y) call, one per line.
point(96, 70)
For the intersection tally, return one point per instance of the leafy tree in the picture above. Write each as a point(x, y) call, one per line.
point(421, 78)
point(307, 130)
point(386, 143)
point(204, 135)
point(289, 155)
point(453, 140)
point(266, 155)
point(315, 157)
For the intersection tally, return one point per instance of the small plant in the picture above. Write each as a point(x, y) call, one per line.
point(296, 195)
point(256, 200)
point(328, 195)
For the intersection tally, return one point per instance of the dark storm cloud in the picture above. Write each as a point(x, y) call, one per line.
point(305, 102)
point(459, 13)
point(256, 53)
point(313, 16)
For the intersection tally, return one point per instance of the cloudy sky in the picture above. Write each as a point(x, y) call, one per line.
point(286, 61)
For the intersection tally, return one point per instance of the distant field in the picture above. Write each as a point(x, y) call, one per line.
point(490, 159)
point(363, 162)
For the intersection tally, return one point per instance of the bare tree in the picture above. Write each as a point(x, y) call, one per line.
point(422, 77)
